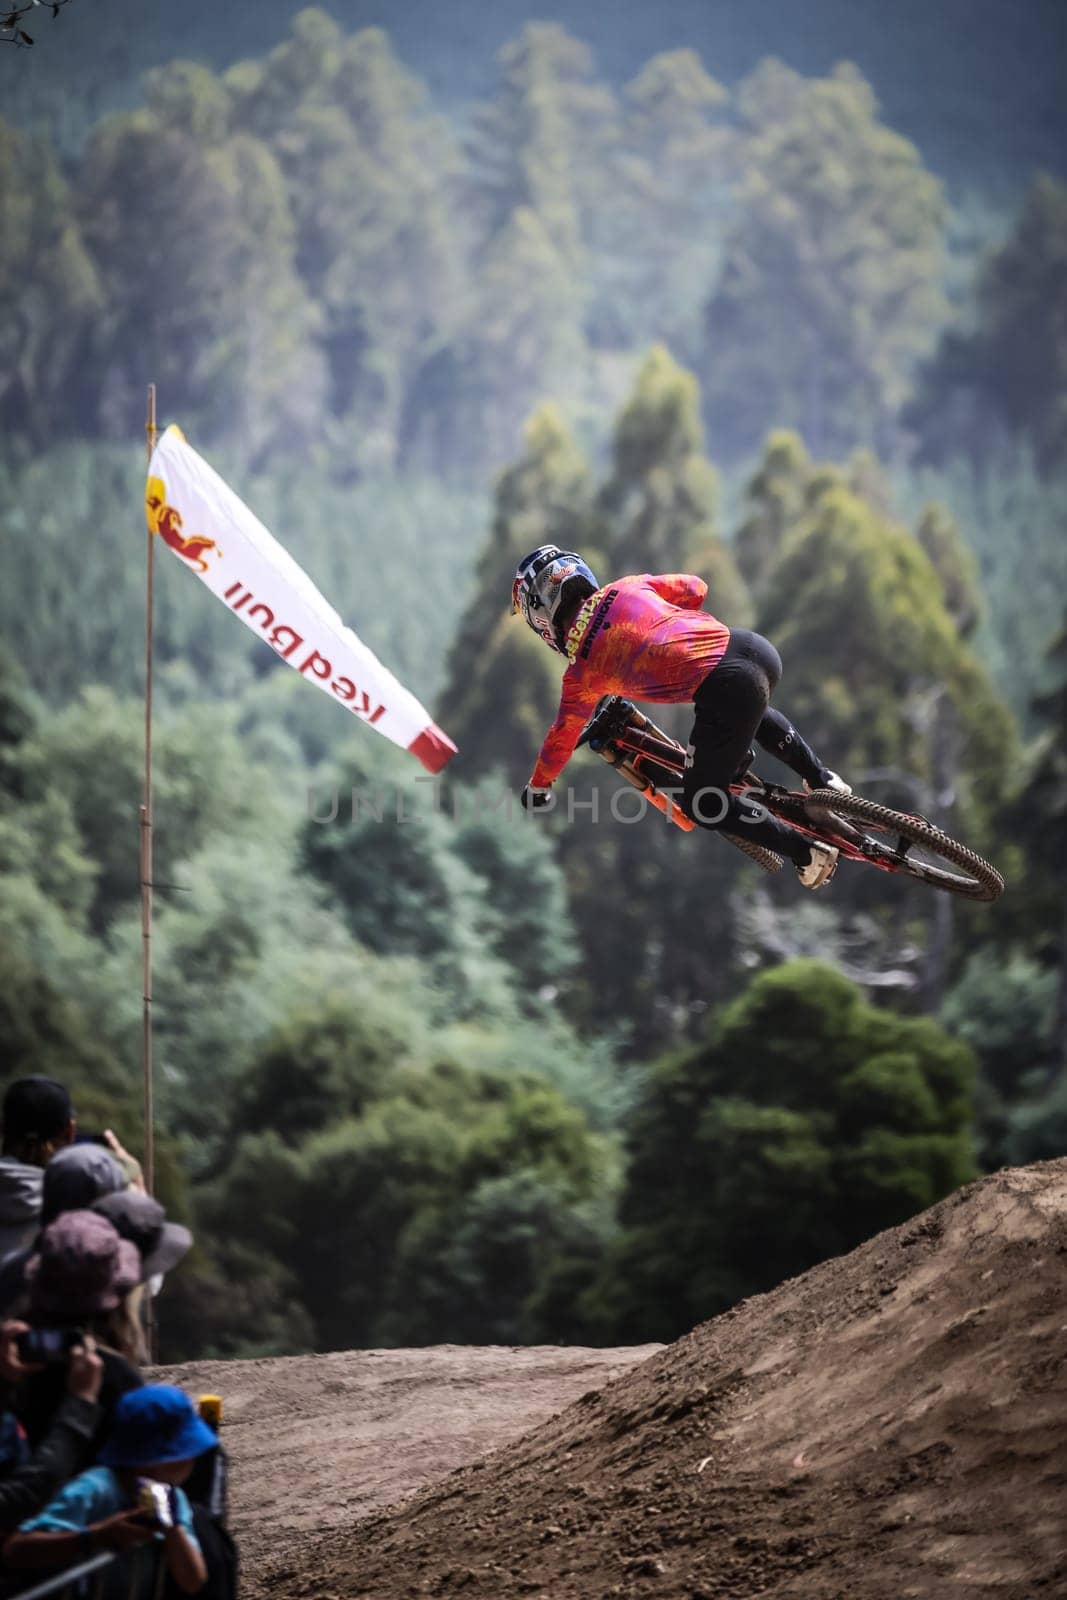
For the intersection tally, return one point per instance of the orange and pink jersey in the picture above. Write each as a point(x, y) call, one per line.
point(644, 637)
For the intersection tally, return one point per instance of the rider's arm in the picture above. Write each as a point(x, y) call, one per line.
point(680, 589)
point(576, 706)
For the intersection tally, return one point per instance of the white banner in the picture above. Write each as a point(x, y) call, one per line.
point(201, 519)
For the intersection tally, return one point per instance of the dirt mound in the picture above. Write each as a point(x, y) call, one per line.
point(891, 1426)
point(317, 1442)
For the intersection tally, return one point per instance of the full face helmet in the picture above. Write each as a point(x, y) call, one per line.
point(546, 582)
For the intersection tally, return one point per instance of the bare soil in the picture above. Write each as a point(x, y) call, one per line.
point(890, 1426)
point(318, 1442)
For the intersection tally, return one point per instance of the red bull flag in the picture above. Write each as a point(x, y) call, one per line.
point(200, 518)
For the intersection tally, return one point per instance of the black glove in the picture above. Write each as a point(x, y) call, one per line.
point(533, 799)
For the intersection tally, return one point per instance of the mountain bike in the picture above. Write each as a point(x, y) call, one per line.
point(861, 830)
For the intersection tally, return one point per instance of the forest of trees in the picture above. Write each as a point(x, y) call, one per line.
point(475, 1076)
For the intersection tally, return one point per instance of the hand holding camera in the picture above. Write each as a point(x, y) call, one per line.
point(123, 1531)
point(25, 1350)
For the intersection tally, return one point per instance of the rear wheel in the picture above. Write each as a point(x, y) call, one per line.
point(901, 842)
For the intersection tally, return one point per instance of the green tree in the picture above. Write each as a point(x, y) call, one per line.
point(502, 685)
point(276, 391)
point(633, 898)
point(395, 1221)
point(91, 755)
point(164, 236)
point(518, 343)
point(955, 566)
point(829, 293)
point(1006, 368)
point(1011, 516)
point(1003, 1007)
point(661, 498)
point(487, 1267)
point(531, 147)
point(774, 502)
point(53, 291)
point(655, 222)
point(877, 677)
point(369, 174)
point(1039, 816)
point(805, 1121)
point(43, 1031)
point(526, 889)
point(16, 723)
point(648, 901)
point(246, 361)
point(317, 1068)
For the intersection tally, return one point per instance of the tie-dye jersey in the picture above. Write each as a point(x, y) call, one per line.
point(644, 637)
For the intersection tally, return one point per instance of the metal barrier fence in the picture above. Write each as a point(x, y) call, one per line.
point(67, 1580)
point(77, 1583)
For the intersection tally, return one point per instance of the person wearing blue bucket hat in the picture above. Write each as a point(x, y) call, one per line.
point(132, 1498)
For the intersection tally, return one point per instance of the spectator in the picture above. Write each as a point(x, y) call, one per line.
point(155, 1434)
point(83, 1276)
point(28, 1480)
point(73, 1179)
point(143, 1221)
point(76, 1177)
point(129, 1164)
point(37, 1121)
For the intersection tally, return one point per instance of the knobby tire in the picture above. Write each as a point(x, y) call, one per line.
point(982, 880)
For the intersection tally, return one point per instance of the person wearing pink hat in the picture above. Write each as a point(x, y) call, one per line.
point(81, 1279)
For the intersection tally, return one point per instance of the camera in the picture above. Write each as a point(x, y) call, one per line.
point(47, 1346)
point(154, 1500)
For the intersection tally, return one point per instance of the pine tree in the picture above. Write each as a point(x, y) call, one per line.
point(369, 174)
point(1006, 368)
point(535, 146)
point(660, 501)
point(955, 566)
point(502, 683)
point(774, 500)
point(655, 222)
point(1039, 816)
point(877, 677)
point(52, 289)
point(829, 293)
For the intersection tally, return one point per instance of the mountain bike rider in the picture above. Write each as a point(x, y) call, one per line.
point(646, 638)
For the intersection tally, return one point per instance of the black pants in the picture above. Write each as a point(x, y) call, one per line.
point(732, 710)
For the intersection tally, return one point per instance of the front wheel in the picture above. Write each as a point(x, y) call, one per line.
point(897, 841)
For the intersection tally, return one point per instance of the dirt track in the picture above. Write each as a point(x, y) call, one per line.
point(891, 1426)
point(318, 1442)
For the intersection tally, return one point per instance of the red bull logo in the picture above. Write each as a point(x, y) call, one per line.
point(167, 522)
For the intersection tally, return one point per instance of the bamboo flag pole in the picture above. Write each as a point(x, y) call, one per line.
point(146, 837)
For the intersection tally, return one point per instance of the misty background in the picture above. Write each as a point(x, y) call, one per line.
point(776, 294)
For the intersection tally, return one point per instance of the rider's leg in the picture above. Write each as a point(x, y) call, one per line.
point(730, 706)
point(776, 734)
point(778, 737)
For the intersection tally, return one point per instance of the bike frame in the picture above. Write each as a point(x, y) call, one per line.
point(786, 805)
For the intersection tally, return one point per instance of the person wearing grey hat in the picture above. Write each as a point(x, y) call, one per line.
point(76, 1177)
point(73, 1179)
point(143, 1221)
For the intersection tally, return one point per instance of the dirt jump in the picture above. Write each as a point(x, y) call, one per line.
point(890, 1426)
